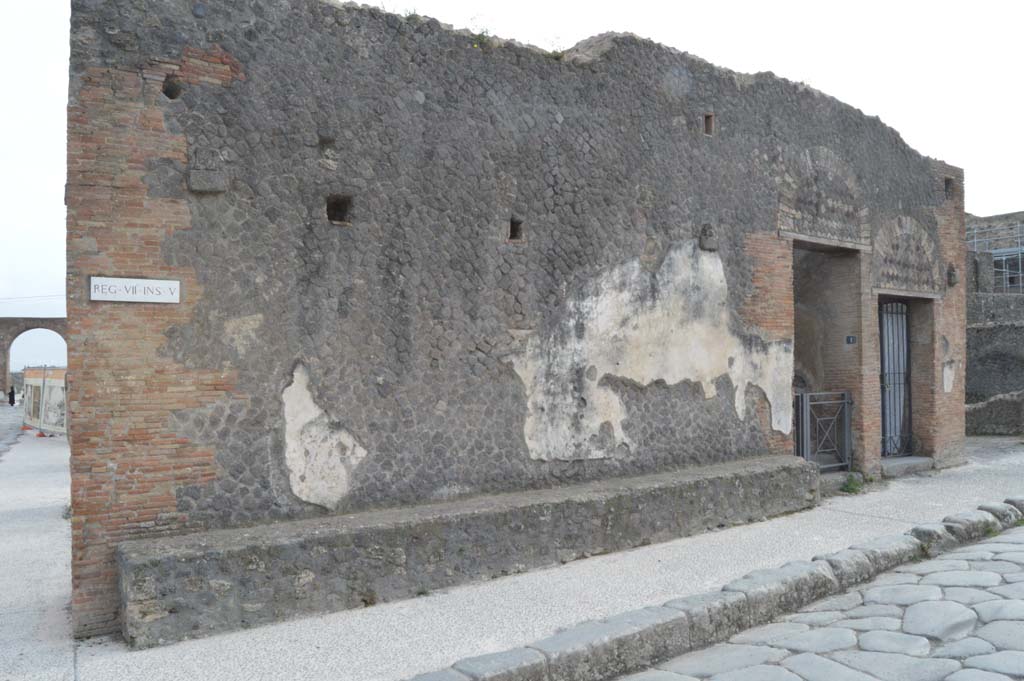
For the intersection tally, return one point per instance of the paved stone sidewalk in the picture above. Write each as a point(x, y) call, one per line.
point(10, 426)
point(35, 556)
point(959, 617)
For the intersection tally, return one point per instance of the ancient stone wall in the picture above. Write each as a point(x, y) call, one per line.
point(993, 232)
point(418, 264)
point(198, 584)
point(943, 433)
point(995, 327)
point(995, 356)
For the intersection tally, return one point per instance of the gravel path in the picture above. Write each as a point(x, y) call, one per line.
point(958, 617)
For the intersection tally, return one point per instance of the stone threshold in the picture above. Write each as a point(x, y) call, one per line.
point(635, 641)
point(832, 484)
point(900, 466)
point(173, 588)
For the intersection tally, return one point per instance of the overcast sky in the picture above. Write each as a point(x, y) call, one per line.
point(947, 75)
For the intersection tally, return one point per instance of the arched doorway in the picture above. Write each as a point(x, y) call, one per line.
point(37, 363)
point(35, 495)
point(12, 328)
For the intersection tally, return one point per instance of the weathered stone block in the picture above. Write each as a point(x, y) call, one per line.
point(1007, 515)
point(900, 466)
point(192, 585)
point(972, 525)
point(942, 620)
point(207, 181)
point(722, 659)
point(893, 666)
point(521, 664)
point(781, 590)
point(661, 632)
point(832, 484)
point(849, 567)
point(593, 651)
point(715, 616)
point(443, 675)
point(935, 538)
point(888, 552)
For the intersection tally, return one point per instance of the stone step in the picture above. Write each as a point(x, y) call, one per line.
point(181, 587)
point(898, 466)
point(833, 483)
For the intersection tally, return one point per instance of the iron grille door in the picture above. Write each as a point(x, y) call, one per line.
point(897, 435)
point(823, 429)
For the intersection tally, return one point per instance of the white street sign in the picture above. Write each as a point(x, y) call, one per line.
point(134, 290)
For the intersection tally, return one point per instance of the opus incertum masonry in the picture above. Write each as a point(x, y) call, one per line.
point(458, 307)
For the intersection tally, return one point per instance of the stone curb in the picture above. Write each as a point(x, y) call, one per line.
point(632, 641)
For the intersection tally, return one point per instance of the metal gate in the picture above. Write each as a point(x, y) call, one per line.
point(823, 429)
point(897, 434)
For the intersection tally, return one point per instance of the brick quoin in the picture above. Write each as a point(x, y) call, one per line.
point(769, 310)
point(769, 307)
point(950, 338)
point(126, 463)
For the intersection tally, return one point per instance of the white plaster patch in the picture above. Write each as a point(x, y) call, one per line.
point(670, 325)
point(320, 455)
point(948, 375)
point(240, 332)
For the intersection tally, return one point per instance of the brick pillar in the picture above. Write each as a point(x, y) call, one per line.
point(126, 460)
point(5, 368)
point(923, 376)
point(867, 395)
point(769, 309)
point(950, 337)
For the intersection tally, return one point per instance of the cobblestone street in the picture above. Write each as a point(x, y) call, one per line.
point(959, 617)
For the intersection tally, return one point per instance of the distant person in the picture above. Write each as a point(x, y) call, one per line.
point(10, 396)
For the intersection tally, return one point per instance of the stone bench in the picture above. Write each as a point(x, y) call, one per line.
point(174, 588)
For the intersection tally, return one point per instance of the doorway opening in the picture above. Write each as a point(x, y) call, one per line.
point(894, 351)
point(826, 316)
point(37, 362)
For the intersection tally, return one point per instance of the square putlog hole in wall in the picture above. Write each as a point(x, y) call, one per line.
point(950, 187)
point(172, 87)
point(515, 230)
point(338, 209)
point(709, 124)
